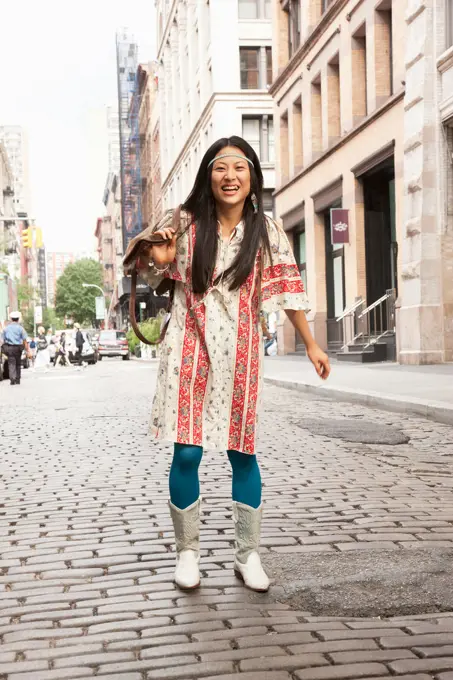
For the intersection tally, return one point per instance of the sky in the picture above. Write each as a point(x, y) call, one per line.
point(57, 76)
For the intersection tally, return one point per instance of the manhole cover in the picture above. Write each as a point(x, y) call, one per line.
point(362, 432)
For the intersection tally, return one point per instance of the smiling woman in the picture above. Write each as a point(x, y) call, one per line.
point(229, 262)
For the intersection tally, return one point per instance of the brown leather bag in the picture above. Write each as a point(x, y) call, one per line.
point(136, 247)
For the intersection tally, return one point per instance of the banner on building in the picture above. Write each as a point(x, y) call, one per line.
point(339, 221)
point(100, 307)
point(38, 314)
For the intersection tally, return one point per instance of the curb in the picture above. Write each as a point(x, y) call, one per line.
point(437, 411)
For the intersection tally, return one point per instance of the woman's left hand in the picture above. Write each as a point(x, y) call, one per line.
point(320, 361)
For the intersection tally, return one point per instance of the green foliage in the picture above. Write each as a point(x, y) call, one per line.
point(4, 269)
point(25, 296)
point(49, 320)
point(149, 328)
point(71, 298)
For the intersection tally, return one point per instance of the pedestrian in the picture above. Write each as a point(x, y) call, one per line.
point(42, 350)
point(61, 352)
point(79, 342)
point(33, 352)
point(228, 261)
point(14, 342)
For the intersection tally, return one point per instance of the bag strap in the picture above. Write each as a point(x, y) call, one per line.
point(176, 224)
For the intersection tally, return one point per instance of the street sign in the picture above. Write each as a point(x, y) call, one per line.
point(100, 307)
point(339, 220)
point(143, 305)
point(38, 314)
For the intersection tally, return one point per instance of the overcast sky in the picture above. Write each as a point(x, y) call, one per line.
point(57, 75)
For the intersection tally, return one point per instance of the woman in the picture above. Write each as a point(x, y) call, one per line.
point(229, 262)
point(61, 352)
point(42, 350)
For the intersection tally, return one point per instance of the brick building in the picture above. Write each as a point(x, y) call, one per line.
point(149, 144)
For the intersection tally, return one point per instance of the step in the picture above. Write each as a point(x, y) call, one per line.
point(375, 353)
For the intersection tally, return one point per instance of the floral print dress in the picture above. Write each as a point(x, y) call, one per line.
point(210, 373)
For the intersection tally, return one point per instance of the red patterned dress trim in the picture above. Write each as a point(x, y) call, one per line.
point(187, 363)
point(242, 366)
point(281, 287)
point(254, 372)
point(201, 377)
point(280, 271)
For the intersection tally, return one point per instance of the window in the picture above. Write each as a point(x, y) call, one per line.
point(250, 68)
point(258, 131)
point(255, 9)
point(256, 67)
point(248, 9)
point(268, 201)
point(268, 66)
point(293, 10)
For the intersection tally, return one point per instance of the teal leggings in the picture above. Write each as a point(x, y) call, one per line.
point(185, 485)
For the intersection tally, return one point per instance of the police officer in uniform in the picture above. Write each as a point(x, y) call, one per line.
point(14, 341)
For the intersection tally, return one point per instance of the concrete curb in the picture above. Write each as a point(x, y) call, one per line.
point(437, 411)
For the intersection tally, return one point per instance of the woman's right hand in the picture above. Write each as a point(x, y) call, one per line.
point(163, 255)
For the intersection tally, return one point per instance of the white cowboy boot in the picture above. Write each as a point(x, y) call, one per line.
point(247, 563)
point(186, 524)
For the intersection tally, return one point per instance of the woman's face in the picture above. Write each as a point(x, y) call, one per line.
point(230, 179)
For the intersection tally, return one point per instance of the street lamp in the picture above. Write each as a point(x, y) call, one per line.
point(106, 317)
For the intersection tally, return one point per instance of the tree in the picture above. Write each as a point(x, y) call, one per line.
point(71, 298)
point(25, 296)
point(49, 320)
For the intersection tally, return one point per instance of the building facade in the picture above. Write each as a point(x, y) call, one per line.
point(56, 264)
point(425, 314)
point(206, 93)
point(9, 231)
point(15, 141)
point(113, 135)
point(339, 71)
point(363, 96)
point(149, 144)
point(105, 235)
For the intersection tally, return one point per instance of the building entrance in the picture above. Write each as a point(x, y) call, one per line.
point(381, 247)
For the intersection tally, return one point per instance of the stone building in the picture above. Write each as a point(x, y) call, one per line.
point(206, 92)
point(339, 106)
point(363, 94)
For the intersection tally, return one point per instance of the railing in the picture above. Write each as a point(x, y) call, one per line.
point(350, 330)
point(379, 318)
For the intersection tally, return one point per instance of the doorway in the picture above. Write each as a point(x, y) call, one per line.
point(381, 248)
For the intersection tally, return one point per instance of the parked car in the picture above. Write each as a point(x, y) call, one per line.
point(113, 344)
point(89, 352)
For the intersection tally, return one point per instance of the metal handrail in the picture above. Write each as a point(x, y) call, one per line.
point(375, 304)
point(349, 310)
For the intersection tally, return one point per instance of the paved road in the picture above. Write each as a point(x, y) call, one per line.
point(352, 531)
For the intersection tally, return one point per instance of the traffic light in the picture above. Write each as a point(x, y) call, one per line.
point(38, 238)
point(27, 238)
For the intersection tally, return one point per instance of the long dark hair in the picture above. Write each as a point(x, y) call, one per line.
point(202, 206)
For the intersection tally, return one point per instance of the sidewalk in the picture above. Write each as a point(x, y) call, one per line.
point(415, 390)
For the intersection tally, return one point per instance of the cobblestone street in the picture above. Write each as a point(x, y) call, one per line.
point(358, 538)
